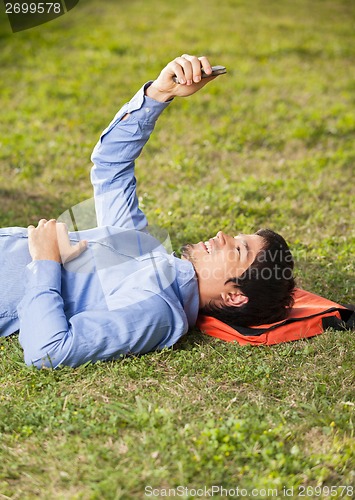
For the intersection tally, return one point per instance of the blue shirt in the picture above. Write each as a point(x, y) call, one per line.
point(125, 293)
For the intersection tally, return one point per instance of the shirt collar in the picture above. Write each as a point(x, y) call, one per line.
point(188, 288)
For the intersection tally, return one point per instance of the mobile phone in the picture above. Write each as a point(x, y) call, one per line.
point(216, 70)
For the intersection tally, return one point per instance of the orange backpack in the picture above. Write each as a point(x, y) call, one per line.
point(310, 315)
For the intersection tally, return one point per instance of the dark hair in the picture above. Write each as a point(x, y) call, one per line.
point(268, 283)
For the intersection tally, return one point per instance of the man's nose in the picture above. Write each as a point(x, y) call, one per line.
point(222, 237)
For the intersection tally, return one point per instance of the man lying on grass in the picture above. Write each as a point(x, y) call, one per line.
point(114, 290)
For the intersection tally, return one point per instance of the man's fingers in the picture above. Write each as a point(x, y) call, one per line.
point(78, 248)
point(207, 68)
point(57, 233)
point(81, 247)
point(74, 251)
point(62, 228)
point(188, 68)
point(41, 222)
point(181, 77)
point(198, 63)
point(195, 66)
point(182, 69)
point(42, 241)
point(30, 230)
point(68, 252)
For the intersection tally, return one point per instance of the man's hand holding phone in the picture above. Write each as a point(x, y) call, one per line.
point(183, 77)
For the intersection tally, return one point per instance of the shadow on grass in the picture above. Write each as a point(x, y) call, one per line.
point(192, 339)
point(19, 207)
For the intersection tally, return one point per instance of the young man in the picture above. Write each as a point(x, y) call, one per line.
point(102, 293)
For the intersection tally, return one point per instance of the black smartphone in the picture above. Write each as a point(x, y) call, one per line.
point(216, 70)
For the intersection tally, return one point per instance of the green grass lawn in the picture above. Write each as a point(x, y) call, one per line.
point(271, 144)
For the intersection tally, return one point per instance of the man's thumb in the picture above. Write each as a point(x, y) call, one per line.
point(76, 250)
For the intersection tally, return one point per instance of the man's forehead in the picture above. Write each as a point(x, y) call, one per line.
point(246, 237)
point(252, 242)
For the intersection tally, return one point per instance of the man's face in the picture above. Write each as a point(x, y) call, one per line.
point(219, 259)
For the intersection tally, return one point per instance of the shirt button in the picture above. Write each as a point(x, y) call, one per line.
point(147, 110)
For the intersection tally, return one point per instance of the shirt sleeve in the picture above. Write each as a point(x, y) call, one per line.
point(114, 156)
point(49, 339)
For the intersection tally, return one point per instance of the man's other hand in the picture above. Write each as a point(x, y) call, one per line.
point(187, 69)
point(50, 241)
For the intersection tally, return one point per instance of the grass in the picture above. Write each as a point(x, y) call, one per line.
point(270, 144)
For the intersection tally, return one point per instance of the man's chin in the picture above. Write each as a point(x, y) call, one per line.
point(185, 251)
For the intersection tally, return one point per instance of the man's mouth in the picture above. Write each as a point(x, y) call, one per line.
point(208, 246)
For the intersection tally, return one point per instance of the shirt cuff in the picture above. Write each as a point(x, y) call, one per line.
point(44, 274)
point(145, 107)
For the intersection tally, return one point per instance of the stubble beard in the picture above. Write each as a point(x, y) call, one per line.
point(186, 252)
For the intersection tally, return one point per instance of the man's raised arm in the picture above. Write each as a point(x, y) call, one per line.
point(48, 335)
point(122, 141)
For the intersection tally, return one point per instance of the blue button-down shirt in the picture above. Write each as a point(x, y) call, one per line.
point(125, 293)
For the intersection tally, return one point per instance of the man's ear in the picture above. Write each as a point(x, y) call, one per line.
point(234, 298)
